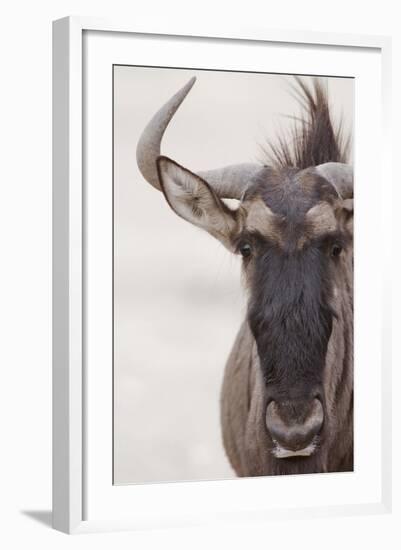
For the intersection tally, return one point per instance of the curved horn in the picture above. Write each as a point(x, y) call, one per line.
point(148, 148)
point(228, 182)
point(231, 182)
point(341, 177)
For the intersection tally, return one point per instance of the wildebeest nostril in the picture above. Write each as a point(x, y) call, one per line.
point(294, 426)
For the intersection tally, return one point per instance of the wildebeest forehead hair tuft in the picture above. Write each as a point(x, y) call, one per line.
point(314, 138)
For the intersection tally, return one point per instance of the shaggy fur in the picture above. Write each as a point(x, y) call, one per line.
point(313, 139)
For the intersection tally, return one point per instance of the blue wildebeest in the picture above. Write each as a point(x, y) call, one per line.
point(287, 395)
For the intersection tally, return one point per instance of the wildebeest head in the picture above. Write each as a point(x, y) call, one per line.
point(293, 228)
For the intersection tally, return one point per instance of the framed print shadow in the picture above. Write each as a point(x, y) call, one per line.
point(212, 315)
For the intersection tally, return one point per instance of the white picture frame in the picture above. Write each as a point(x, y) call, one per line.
point(76, 480)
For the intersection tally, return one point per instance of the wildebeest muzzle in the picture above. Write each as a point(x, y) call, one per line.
point(294, 426)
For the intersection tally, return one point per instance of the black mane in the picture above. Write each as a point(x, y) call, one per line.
point(314, 139)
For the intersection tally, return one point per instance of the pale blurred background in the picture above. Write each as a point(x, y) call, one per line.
point(178, 301)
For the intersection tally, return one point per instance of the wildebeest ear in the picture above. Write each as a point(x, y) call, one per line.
point(193, 199)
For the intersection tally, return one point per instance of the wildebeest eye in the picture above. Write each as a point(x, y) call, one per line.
point(336, 250)
point(245, 250)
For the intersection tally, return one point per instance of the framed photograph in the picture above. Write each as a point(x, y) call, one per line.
point(220, 328)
